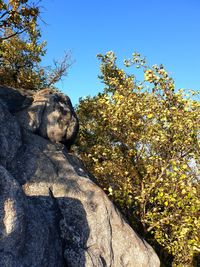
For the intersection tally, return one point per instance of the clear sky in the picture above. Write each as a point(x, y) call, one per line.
point(166, 32)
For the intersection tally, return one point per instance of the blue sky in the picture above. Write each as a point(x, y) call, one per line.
point(166, 32)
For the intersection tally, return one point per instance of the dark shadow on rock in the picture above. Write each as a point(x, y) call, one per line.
point(79, 167)
point(56, 234)
point(15, 100)
point(67, 227)
point(56, 228)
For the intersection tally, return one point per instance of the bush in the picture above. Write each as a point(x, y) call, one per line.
point(141, 141)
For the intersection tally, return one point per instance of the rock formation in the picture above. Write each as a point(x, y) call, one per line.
point(50, 115)
point(51, 213)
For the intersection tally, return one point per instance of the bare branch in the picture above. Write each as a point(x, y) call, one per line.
point(60, 70)
point(4, 14)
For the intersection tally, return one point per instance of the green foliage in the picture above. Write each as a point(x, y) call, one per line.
point(141, 141)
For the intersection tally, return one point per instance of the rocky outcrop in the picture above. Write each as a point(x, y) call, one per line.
point(50, 115)
point(51, 213)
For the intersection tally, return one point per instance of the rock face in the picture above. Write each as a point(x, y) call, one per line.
point(51, 213)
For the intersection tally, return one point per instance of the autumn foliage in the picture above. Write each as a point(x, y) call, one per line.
point(141, 141)
point(19, 15)
point(21, 48)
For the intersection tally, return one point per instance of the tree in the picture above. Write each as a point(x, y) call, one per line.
point(141, 141)
point(18, 15)
point(21, 50)
point(20, 46)
point(19, 62)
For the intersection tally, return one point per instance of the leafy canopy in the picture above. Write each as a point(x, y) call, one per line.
point(21, 49)
point(141, 141)
point(18, 15)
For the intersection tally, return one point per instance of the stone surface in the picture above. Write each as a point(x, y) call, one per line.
point(10, 135)
point(51, 212)
point(50, 115)
point(15, 100)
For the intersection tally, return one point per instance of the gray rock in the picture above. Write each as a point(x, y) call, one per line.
point(53, 214)
point(15, 100)
point(10, 135)
point(12, 214)
point(52, 116)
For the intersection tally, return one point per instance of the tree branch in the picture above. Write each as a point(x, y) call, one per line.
point(5, 13)
point(12, 35)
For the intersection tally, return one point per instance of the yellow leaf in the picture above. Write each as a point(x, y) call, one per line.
point(184, 166)
point(166, 203)
point(183, 191)
point(149, 116)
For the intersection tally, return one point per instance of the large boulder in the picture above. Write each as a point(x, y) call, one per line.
point(51, 213)
point(52, 116)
